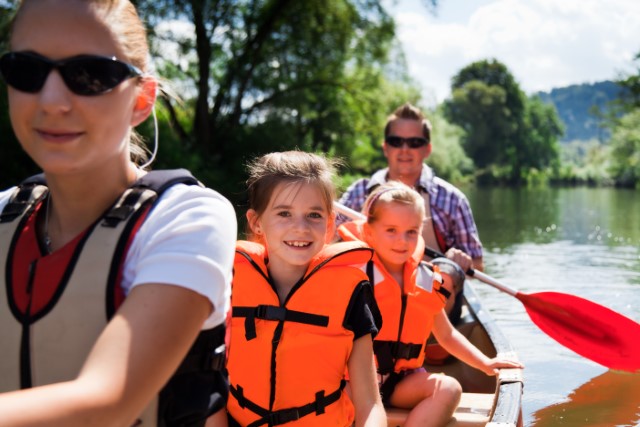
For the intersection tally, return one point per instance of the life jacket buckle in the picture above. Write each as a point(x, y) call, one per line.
point(406, 351)
point(271, 312)
point(284, 416)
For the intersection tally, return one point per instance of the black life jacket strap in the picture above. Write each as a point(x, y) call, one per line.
point(278, 313)
point(444, 292)
point(156, 181)
point(136, 202)
point(160, 180)
point(370, 274)
point(283, 416)
point(23, 198)
point(387, 352)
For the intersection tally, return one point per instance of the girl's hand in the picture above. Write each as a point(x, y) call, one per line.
point(495, 364)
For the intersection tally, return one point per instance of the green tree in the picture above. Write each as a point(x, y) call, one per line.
point(625, 150)
point(481, 110)
point(542, 130)
point(14, 163)
point(245, 62)
point(448, 158)
point(508, 136)
point(625, 129)
point(631, 97)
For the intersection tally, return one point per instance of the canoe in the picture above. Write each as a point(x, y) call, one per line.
point(486, 401)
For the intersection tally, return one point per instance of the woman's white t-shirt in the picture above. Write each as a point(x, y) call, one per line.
point(188, 240)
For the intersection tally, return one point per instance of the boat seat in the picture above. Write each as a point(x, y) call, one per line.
point(473, 411)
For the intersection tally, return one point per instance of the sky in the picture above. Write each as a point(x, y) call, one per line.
point(544, 43)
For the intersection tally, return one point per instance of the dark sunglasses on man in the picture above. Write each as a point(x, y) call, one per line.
point(412, 142)
point(86, 75)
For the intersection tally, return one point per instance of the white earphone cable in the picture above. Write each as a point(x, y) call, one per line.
point(155, 140)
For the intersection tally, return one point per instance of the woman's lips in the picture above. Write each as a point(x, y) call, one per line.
point(57, 136)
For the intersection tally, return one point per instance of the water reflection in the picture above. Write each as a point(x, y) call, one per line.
point(611, 399)
point(581, 215)
point(580, 241)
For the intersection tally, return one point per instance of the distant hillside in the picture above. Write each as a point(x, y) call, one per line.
point(574, 105)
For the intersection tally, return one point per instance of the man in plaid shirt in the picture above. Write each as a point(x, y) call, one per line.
point(450, 226)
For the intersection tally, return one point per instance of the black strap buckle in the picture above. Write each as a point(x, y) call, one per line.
point(406, 351)
point(283, 416)
point(270, 312)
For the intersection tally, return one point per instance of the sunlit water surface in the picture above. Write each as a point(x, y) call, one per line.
point(580, 241)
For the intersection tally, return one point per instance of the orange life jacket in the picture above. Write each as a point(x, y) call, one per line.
point(287, 361)
point(53, 307)
point(407, 314)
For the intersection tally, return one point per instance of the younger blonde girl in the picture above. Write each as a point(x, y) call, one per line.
point(411, 299)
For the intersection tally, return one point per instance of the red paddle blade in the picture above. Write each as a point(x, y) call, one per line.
point(589, 329)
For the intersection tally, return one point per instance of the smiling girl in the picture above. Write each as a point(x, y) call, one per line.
point(411, 298)
point(301, 313)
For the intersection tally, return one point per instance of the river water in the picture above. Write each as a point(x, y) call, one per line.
point(582, 241)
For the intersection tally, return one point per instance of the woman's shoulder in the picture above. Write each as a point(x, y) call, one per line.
point(187, 240)
point(193, 196)
point(191, 210)
point(192, 202)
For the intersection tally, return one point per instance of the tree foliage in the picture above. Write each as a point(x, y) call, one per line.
point(448, 158)
point(623, 121)
point(265, 75)
point(542, 128)
point(13, 162)
point(480, 110)
point(508, 135)
point(631, 97)
point(625, 150)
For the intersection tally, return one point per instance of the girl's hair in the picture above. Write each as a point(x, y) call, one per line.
point(269, 170)
point(392, 191)
point(126, 27)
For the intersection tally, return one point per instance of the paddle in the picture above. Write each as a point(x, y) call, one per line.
point(589, 329)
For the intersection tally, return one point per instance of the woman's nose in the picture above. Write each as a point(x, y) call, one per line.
point(55, 95)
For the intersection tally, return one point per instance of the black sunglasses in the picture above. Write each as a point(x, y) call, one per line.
point(413, 142)
point(86, 75)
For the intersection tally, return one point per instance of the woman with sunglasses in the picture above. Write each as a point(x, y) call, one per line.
point(115, 282)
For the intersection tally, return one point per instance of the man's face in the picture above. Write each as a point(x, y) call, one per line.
point(405, 162)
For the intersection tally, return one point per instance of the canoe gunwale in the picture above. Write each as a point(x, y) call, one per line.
point(508, 407)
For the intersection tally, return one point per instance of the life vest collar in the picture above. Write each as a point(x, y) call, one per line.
point(334, 255)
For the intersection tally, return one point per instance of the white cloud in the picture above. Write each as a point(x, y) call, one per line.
point(544, 43)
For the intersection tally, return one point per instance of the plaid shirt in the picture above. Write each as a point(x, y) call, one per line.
point(450, 208)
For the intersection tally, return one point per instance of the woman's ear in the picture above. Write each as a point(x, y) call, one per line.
point(145, 101)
